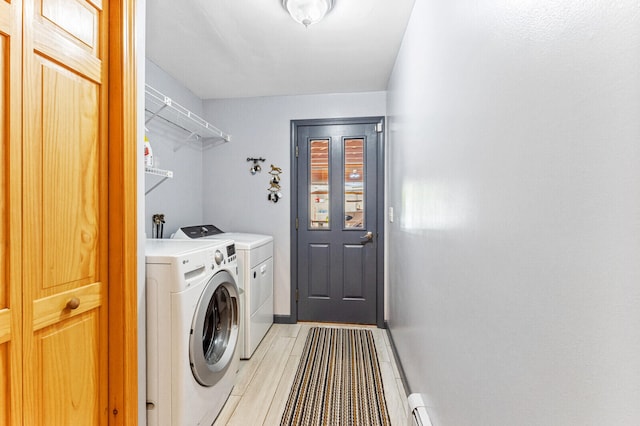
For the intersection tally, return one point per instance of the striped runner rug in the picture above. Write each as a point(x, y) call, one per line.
point(338, 381)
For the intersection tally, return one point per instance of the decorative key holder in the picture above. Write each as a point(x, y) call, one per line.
point(274, 184)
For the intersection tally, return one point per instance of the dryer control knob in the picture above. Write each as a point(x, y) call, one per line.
point(219, 257)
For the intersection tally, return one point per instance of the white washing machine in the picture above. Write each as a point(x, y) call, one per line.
point(192, 329)
point(255, 278)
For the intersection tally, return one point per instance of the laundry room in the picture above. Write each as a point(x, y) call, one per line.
point(217, 159)
point(451, 181)
point(215, 182)
point(212, 182)
point(439, 196)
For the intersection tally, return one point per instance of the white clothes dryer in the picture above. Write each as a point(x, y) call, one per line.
point(255, 278)
point(192, 330)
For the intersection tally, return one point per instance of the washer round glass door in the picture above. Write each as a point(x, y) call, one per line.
point(214, 332)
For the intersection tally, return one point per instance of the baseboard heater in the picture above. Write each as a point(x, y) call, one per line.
point(418, 415)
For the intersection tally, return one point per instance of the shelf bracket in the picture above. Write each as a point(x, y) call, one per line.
point(165, 174)
point(154, 114)
point(156, 185)
point(192, 135)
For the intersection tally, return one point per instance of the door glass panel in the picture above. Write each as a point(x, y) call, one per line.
point(319, 184)
point(354, 183)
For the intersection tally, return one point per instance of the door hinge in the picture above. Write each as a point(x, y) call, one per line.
point(297, 151)
point(379, 127)
point(297, 224)
point(297, 295)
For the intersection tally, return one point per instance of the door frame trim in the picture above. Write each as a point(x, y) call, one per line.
point(123, 210)
point(373, 120)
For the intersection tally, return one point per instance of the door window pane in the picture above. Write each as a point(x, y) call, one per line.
point(354, 183)
point(319, 190)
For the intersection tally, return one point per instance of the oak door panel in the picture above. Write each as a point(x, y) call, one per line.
point(65, 213)
point(69, 218)
point(68, 355)
point(77, 18)
point(4, 384)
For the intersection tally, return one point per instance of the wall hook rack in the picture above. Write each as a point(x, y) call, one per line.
point(256, 167)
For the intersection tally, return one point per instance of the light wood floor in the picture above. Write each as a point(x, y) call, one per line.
point(264, 381)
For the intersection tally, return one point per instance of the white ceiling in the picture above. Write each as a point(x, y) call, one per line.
point(247, 48)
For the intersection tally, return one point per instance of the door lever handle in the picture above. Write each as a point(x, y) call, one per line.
point(368, 236)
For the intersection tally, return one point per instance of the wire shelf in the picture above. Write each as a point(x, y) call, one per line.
point(158, 172)
point(161, 106)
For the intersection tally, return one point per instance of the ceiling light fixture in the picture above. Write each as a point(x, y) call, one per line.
point(307, 12)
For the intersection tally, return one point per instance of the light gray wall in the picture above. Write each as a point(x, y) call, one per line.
point(178, 198)
point(235, 200)
point(514, 153)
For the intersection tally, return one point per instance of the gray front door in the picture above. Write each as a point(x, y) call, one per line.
point(337, 221)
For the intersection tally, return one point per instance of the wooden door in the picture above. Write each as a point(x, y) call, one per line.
point(337, 245)
point(64, 225)
point(10, 213)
